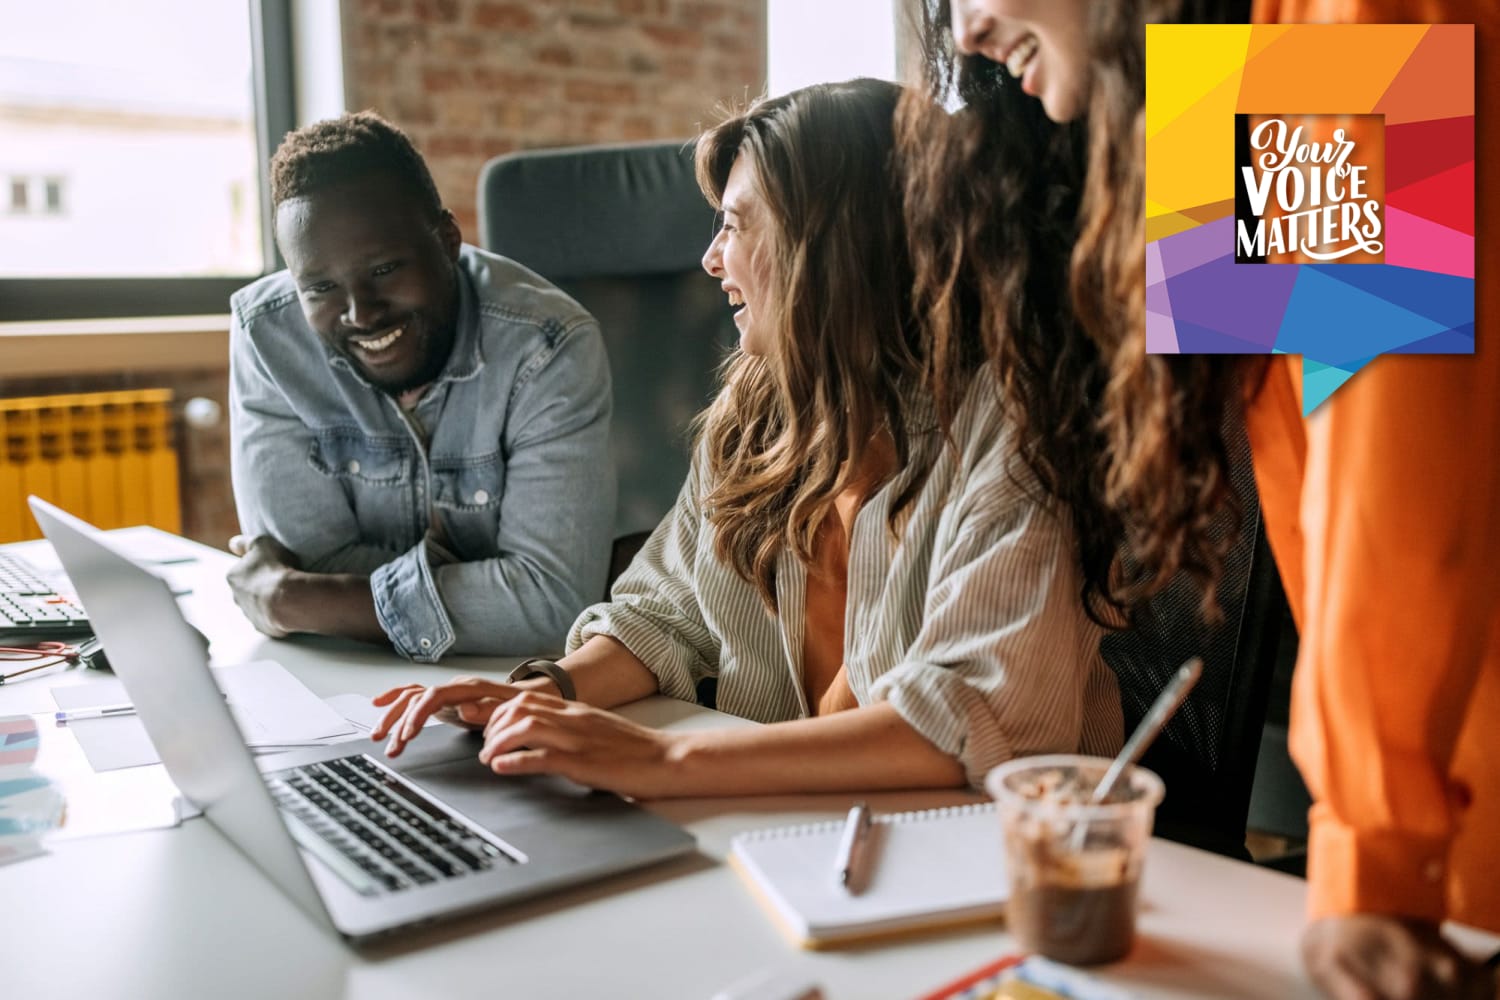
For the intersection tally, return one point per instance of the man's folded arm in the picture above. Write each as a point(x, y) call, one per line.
point(277, 492)
point(555, 526)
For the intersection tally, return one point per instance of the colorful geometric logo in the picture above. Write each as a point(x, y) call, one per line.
point(1366, 141)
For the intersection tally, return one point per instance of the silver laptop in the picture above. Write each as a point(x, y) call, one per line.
point(365, 846)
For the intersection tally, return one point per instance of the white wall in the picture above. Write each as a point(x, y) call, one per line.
point(818, 41)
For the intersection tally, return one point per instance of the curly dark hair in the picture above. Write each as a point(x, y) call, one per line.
point(1033, 233)
point(346, 148)
point(992, 206)
point(1162, 415)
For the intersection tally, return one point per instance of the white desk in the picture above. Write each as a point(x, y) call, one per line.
point(182, 914)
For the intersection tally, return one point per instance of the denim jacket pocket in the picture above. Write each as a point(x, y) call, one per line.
point(375, 475)
point(470, 484)
point(353, 456)
point(467, 494)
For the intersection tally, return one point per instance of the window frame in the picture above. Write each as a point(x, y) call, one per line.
point(24, 299)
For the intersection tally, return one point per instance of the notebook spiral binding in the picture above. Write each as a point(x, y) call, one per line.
point(891, 818)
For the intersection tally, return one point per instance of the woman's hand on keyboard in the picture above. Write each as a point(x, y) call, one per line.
point(464, 701)
point(539, 733)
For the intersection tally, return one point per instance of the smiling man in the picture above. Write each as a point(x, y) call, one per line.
point(419, 428)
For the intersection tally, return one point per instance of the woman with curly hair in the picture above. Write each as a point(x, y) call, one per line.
point(1379, 508)
point(881, 583)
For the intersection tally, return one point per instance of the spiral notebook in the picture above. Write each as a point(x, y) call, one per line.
point(931, 869)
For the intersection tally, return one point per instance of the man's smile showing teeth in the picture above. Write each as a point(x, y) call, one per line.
point(1020, 56)
point(736, 299)
point(380, 343)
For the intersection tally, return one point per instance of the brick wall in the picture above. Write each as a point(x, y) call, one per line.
point(472, 79)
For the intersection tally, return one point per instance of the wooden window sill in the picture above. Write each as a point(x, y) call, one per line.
point(95, 346)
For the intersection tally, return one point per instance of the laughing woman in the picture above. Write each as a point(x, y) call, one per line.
point(875, 579)
point(1379, 508)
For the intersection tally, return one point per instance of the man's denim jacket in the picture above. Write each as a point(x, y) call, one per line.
point(516, 478)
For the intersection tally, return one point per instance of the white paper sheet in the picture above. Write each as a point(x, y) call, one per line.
point(275, 711)
point(113, 743)
point(359, 710)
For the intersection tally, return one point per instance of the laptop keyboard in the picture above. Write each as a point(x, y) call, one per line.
point(30, 610)
point(375, 830)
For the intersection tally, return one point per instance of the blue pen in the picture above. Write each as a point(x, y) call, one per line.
point(97, 712)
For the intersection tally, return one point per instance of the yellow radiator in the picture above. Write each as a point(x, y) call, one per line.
point(106, 456)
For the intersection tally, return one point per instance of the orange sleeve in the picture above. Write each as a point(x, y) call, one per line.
point(1399, 507)
point(1400, 535)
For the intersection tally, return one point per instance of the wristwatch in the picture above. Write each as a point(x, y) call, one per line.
point(531, 668)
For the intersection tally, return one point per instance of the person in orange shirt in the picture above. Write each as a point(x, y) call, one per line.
point(1381, 508)
point(1398, 681)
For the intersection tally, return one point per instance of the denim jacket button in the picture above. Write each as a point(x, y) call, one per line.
point(481, 496)
point(353, 466)
point(424, 642)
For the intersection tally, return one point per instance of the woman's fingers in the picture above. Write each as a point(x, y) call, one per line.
point(536, 728)
point(413, 706)
point(475, 714)
point(523, 701)
point(529, 732)
point(525, 762)
point(397, 699)
point(386, 697)
point(543, 734)
point(449, 695)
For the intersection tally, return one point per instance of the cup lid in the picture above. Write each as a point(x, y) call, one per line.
point(1003, 783)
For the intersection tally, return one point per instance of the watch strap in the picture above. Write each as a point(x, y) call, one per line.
point(547, 668)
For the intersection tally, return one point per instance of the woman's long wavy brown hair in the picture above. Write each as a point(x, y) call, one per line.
point(1162, 414)
point(992, 199)
point(787, 431)
point(1034, 232)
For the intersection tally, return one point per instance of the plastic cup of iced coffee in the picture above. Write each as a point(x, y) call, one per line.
point(1075, 866)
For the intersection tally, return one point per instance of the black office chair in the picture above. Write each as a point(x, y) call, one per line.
point(1207, 753)
point(622, 229)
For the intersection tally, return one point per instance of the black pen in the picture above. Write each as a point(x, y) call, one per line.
point(854, 849)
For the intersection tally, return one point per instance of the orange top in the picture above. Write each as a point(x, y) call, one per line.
point(1383, 510)
point(824, 681)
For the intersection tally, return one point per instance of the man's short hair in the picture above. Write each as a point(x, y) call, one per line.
point(351, 147)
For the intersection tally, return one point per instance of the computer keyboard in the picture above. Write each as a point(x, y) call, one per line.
point(31, 610)
point(374, 830)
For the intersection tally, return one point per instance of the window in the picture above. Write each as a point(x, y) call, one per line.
point(54, 193)
point(29, 195)
point(134, 137)
point(829, 40)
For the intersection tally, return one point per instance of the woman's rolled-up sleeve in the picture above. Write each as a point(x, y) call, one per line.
point(1005, 656)
point(654, 607)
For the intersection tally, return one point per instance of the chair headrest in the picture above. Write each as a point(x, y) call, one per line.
point(592, 211)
